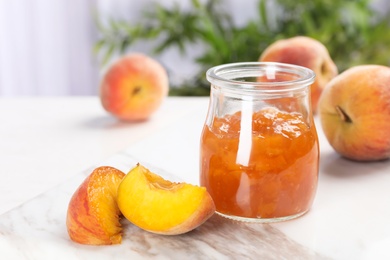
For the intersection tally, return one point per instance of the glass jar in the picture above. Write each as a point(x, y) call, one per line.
point(259, 153)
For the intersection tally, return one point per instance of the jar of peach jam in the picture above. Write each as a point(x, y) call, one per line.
point(259, 151)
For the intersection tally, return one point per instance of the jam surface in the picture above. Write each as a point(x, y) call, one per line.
point(265, 169)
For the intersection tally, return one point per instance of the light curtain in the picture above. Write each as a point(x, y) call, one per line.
point(46, 48)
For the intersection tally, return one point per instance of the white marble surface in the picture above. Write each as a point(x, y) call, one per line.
point(349, 218)
point(45, 141)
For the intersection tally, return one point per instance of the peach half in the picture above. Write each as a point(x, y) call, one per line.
point(93, 214)
point(160, 206)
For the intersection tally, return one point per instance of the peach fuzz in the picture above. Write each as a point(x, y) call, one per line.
point(354, 110)
point(134, 87)
point(307, 52)
point(93, 214)
point(160, 206)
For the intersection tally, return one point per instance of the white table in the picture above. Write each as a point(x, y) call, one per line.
point(44, 141)
point(49, 145)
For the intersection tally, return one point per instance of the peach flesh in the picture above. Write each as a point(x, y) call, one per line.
point(161, 206)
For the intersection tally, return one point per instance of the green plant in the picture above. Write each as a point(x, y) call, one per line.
point(352, 31)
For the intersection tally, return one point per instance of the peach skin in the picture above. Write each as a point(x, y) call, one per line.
point(134, 87)
point(307, 52)
point(93, 214)
point(354, 110)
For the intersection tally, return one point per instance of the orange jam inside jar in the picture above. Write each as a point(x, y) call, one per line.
point(259, 157)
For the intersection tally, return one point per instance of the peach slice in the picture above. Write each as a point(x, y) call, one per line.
point(160, 206)
point(93, 214)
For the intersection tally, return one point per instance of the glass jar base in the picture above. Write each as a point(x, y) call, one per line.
point(261, 220)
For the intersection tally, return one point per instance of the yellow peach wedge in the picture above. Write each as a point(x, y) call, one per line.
point(160, 206)
point(93, 214)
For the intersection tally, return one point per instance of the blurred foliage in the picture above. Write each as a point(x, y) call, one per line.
point(352, 31)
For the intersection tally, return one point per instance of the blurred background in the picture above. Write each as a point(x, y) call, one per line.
point(61, 47)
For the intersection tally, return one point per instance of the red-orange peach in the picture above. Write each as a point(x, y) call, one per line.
point(134, 87)
point(307, 52)
point(355, 113)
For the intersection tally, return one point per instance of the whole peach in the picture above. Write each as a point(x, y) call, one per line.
point(307, 52)
point(134, 87)
point(355, 113)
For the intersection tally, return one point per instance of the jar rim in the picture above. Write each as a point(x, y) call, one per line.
point(225, 76)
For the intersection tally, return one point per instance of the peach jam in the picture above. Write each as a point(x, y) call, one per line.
point(259, 151)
